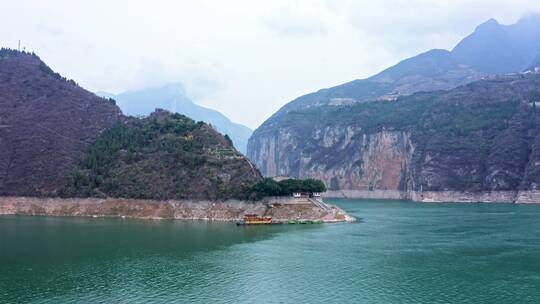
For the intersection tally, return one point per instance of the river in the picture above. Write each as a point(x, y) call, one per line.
point(398, 252)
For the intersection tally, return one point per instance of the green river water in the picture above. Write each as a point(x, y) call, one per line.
point(398, 252)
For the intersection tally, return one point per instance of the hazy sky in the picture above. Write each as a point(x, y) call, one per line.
point(243, 58)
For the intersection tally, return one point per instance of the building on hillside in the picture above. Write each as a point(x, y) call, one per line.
point(306, 194)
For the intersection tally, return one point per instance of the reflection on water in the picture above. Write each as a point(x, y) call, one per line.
point(60, 239)
point(400, 252)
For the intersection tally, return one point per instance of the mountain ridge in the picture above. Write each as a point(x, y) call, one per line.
point(303, 140)
point(162, 156)
point(410, 75)
point(60, 139)
point(47, 124)
point(172, 97)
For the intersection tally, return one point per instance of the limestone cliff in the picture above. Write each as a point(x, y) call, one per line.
point(344, 158)
point(481, 137)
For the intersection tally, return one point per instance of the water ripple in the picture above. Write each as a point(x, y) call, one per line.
point(401, 253)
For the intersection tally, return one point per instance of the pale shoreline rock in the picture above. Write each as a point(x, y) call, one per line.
point(283, 209)
point(513, 197)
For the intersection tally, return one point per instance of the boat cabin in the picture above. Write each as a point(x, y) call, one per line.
point(254, 219)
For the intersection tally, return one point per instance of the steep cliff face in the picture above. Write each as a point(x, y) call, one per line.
point(46, 124)
point(378, 160)
point(344, 158)
point(479, 137)
point(368, 134)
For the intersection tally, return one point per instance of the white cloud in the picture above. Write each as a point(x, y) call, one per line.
point(295, 22)
point(244, 58)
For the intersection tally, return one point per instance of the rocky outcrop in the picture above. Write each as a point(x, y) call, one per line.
point(144, 209)
point(228, 210)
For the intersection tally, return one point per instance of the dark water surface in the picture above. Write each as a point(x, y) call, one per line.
point(399, 252)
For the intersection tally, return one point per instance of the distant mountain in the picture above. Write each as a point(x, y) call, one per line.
point(497, 49)
point(354, 136)
point(46, 124)
point(491, 49)
point(172, 97)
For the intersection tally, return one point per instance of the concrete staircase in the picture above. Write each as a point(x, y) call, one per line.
point(319, 203)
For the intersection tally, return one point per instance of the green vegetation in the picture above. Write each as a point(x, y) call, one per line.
point(270, 187)
point(229, 140)
point(164, 156)
point(374, 115)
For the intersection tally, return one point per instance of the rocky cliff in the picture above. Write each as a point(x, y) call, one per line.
point(383, 137)
point(482, 137)
point(46, 124)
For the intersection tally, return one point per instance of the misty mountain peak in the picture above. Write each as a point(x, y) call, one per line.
point(488, 25)
point(173, 90)
point(530, 19)
point(499, 49)
point(172, 97)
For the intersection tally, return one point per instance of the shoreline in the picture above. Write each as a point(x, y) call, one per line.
point(503, 197)
point(280, 208)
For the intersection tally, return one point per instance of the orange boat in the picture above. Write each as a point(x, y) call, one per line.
point(253, 219)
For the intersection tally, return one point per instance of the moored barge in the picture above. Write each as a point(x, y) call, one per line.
point(253, 219)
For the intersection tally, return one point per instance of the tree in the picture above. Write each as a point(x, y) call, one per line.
point(269, 187)
point(229, 140)
point(313, 185)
